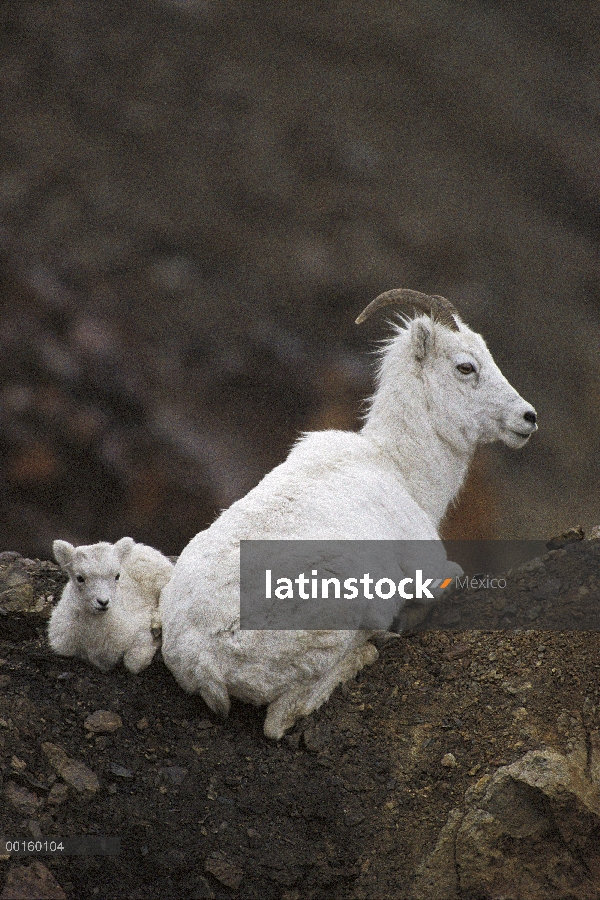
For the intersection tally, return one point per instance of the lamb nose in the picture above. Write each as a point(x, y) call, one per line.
point(530, 417)
point(102, 603)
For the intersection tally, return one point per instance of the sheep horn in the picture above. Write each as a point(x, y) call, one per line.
point(435, 306)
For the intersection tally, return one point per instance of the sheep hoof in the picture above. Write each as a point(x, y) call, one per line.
point(302, 700)
point(216, 698)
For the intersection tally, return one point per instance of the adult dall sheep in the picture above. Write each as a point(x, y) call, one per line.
point(108, 610)
point(439, 394)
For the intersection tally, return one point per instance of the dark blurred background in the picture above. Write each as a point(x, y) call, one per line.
point(196, 200)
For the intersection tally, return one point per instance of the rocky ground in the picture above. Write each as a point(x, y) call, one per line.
point(461, 765)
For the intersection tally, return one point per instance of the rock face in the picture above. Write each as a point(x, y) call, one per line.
point(32, 882)
point(531, 830)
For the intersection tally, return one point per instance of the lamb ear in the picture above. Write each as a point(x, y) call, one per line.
point(124, 548)
point(422, 339)
point(63, 553)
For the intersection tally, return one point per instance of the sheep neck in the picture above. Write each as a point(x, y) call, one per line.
point(400, 425)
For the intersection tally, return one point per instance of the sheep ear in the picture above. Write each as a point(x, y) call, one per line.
point(63, 553)
point(124, 548)
point(422, 339)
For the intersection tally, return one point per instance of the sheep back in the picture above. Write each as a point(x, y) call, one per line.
point(319, 493)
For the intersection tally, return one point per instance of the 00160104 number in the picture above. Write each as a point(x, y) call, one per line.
point(22, 847)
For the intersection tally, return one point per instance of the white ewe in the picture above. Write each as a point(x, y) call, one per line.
point(439, 394)
point(108, 610)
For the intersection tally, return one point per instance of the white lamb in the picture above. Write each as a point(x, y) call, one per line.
point(108, 610)
point(439, 394)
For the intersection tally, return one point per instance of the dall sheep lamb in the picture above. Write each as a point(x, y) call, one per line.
point(108, 610)
point(439, 394)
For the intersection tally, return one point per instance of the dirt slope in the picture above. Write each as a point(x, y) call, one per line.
point(346, 806)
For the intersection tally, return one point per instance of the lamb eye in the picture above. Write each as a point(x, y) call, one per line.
point(466, 368)
point(117, 576)
point(80, 579)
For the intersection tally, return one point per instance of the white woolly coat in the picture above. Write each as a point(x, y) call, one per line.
point(127, 630)
point(439, 394)
point(334, 485)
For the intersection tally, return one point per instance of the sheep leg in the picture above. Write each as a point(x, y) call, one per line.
point(155, 624)
point(104, 663)
point(305, 698)
point(139, 656)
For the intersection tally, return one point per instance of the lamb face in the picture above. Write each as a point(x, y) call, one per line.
point(93, 571)
point(96, 588)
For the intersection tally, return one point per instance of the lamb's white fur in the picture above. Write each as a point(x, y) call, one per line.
point(391, 481)
point(108, 610)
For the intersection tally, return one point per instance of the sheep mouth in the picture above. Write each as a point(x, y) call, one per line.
point(515, 438)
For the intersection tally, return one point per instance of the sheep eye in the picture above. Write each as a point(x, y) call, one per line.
point(80, 579)
point(117, 576)
point(466, 368)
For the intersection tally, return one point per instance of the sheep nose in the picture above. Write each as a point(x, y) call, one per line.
point(530, 416)
point(102, 604)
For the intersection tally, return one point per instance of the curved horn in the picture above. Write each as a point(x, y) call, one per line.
point(436, 306)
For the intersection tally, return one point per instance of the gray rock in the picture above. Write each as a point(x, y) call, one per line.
point(119, 771)
point(17, 597)
point(32, 882)
point(73, 772)
point(23, 800)
point(103, 720)
point(8, 556)
point(528, 831)
point(58, 794)
point(437, 878)
point(174, 774)
point(226, 872)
